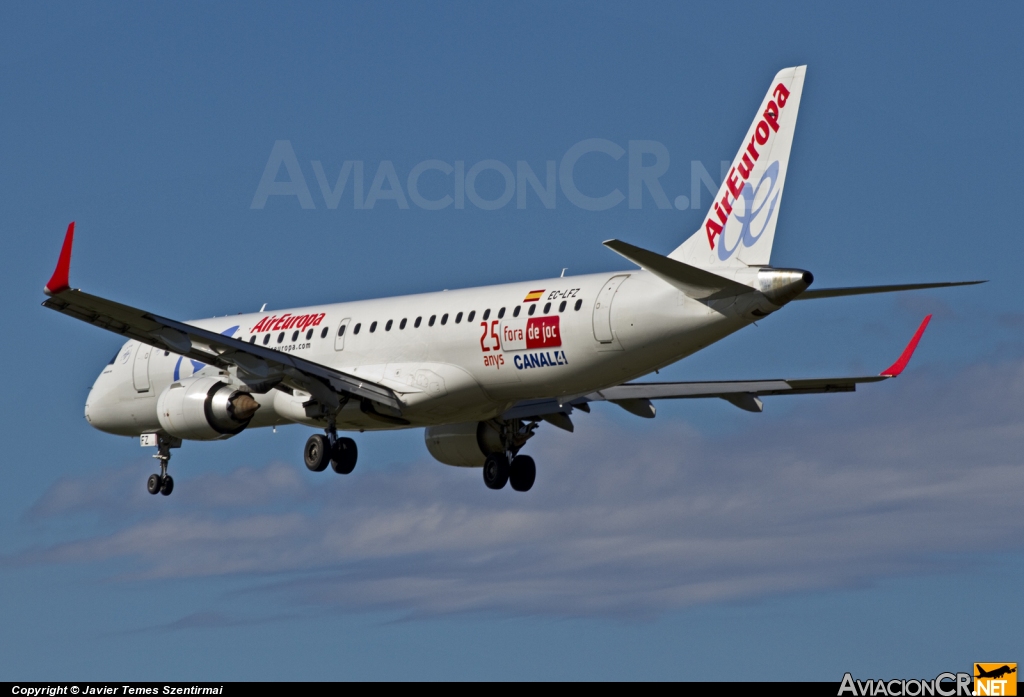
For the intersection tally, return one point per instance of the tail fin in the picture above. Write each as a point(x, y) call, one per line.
point(740, 227)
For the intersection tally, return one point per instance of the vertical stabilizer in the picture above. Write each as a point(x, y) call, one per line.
point(740, 227)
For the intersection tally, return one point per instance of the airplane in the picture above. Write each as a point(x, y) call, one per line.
point(995, 673)
point(479, 369)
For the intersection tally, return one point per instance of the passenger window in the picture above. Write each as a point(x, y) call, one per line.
point(323, 334)
point(266, 339)
point(561, 306)
point(547, 308)
point(515, 312)
point(431, 322)
point(167, 353)
point(295, 335)
point(444, 318)
point(341, 330)
point(309, 335)
point(387, 327)
point(533, 308)
point(501, 313)
point(487, 313)
point(472, 314)
point(252, 339)
point(280, 337)
point(416, 324)
point(401, 325)
point(579, 304)
point(458, 318)
point(373, 326)
point(356, 330)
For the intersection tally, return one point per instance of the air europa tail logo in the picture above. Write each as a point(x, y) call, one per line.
point(287, 321)
point(737, 180)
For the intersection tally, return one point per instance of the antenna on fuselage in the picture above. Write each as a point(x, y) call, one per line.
point(264, 307)
point(563, 272)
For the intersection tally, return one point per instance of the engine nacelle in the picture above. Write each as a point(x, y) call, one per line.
point(463, 445)
point(204, 408)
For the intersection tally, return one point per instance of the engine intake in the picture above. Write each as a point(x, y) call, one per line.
point(204, 408)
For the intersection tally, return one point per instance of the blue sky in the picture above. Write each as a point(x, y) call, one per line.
point(876, 532)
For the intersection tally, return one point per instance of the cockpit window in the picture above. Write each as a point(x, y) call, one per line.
point(111, 362)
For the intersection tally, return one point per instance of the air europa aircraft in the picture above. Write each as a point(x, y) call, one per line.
point(481, 368)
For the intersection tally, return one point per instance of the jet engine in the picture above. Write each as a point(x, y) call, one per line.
point(463, 445)
point(204, 408)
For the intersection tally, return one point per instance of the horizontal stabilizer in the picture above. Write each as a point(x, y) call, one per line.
point(866, 290)
point(695, 283)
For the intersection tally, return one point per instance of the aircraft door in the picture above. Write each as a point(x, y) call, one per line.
point(603, 309)
point(140, 369)
point(339, 336)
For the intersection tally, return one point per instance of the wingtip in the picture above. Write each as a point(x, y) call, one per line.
point(59, 281)
point(897, 367)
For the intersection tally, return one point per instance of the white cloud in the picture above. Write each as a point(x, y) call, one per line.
point(842, 490)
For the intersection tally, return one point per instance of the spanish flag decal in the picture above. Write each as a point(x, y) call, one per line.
point(533, 296)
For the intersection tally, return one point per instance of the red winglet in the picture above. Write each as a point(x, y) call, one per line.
point(897, 367)
point(59, 280)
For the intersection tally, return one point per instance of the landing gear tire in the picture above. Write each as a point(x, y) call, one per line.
point(496, 471)
point(167, 485)
point(317, 453)
point(522, 473)
point(344, 455)
point(153, 484)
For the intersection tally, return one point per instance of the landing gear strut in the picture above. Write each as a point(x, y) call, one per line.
point(509, 467)
point(163, 483)
point(340, 453)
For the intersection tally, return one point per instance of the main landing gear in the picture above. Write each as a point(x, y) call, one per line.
point(163, 483)
point(503, 439)
point(520, 472)
point(339, 453)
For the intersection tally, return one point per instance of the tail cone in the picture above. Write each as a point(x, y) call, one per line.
point(782, 285)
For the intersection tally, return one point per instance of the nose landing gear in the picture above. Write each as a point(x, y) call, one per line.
point(163, 483)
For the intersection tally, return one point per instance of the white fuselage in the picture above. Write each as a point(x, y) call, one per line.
point(439, 354)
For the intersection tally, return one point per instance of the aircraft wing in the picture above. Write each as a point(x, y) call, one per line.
point(635, 397)
point(254, 363)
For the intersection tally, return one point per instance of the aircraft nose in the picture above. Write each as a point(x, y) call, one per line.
point(105, 410)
